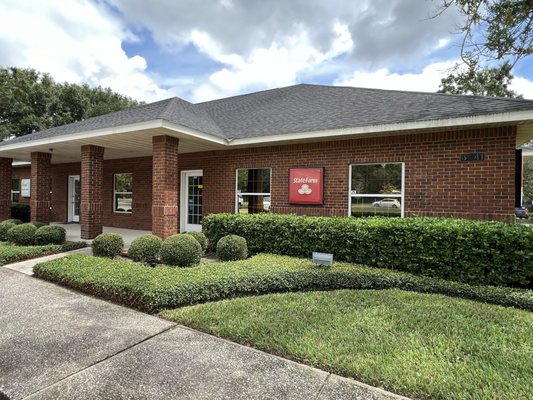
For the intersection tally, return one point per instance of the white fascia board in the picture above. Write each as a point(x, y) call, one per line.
point(89, 135)
point(396, 127)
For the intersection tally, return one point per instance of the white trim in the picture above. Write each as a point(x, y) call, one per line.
point(115, 193)
point(70, 203)
point(184, 226)
point(269, 194)
point(387, 195)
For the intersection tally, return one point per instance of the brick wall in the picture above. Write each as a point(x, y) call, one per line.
point(436, 182)
point(40, 187)
point(5, 188)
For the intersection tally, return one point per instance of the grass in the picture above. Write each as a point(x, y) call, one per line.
point(420, 345)
point(10, 253)
point(155, 289)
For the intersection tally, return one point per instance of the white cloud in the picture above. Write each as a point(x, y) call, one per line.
point(79, 41)
point(426, 81)
point(522, 86)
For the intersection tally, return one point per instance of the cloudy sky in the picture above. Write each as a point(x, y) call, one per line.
point(205, 49)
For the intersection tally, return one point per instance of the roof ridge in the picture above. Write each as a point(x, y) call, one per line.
point(253, 93)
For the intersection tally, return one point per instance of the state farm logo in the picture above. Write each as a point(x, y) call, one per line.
point(305, 189)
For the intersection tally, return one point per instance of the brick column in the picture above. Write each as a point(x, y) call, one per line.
point(165, 191)
point(40, 187)
point(92, 175)
point(6, 173)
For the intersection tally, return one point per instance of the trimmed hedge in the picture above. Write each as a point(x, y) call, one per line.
point(201, 238)
point(181, 250)
point(107, 245)
point(10, 253)
point(155, 289)
point(50, 234)
point(5, 226)
point(145, 249)
point(232, 248)
point(474, 252)
point(22, 234)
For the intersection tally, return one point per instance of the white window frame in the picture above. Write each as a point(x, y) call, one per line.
point(379, 194)
point(269, 194)
point(15, 191)
point(115, 194)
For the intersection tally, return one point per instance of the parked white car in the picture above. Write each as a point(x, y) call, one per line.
point(387, 203)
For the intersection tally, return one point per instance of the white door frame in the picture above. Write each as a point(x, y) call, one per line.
point(184, 227)
point(70, 202)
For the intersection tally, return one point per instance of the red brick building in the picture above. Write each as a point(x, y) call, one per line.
point(305, 149)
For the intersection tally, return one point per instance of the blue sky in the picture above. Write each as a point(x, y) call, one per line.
point(201, 49)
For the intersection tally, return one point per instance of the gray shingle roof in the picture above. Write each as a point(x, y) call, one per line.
point(298, 108)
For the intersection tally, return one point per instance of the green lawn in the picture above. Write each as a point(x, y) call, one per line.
point(420, 345)
point(10, 253)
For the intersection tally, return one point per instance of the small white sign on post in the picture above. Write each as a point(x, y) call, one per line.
point(25, 188)
point(322, 258)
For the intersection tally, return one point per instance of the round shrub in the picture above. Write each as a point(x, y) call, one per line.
point(39, 224)
point(145, 249)
point(50, 234)
point(232, 248)
point(201, 238)
point(108, 245)
point(13, 221)
point(22, 234)
point(4, 228)
point(182, 250)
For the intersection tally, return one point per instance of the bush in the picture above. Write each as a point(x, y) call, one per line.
point(21, 211)
point(108, 245)
point(232, 248)
point(4, 228)
point(154, 289)
point(14, 221)
point(22, 234)
point(201, 238)
point(50, 234)
point(39, 224)
point(10, 254)
point(145, 249)
point(475, 252)
point(182, 250)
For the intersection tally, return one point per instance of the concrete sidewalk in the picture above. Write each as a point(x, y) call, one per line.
point(59, 344)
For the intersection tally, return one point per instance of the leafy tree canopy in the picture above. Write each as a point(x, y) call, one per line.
point(31, 101)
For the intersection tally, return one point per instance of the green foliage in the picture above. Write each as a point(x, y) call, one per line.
point(145, 249)
point(22, 234)
point(20, 211)
point(39, 224)
point(232, 248)
point(50, 234)
point(13, 221)
point(475, 252)
point(478, 81)
point(108, 245)
point(11, 253)
point(421, 345)
point(5, 226)
point(155, 289)
point(528, 182)
point(201, 238)
point(32, 101)
point(181, 250)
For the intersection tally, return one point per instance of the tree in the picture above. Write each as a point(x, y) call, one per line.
point(528, 182)
point(31, 101)
point(474, 80)
point(494, 30)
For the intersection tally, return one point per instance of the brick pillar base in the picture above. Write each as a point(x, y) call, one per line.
point(40, 187)
point(92, 171)
point(165, 209)
point(5, 188)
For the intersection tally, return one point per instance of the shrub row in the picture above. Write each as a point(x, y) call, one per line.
point(475, 252)
point(10, 254)
point(14, 231)
point(155, 289)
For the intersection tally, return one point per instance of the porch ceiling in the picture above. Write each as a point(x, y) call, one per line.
point(117, 145)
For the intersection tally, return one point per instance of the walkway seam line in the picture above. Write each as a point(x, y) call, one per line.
point(322, 387)
point(101, 361)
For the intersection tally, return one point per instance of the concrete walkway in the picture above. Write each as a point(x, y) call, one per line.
point(59, 344)
point(73, 231)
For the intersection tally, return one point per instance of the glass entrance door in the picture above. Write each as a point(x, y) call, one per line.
point(191, 200)
point(74, 192)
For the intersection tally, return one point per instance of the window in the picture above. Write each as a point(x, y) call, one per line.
point(123, 193)
point(376, 190)
point(253, 190)
point(15, 190)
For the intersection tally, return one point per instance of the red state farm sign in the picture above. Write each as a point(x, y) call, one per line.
point(306, 185)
